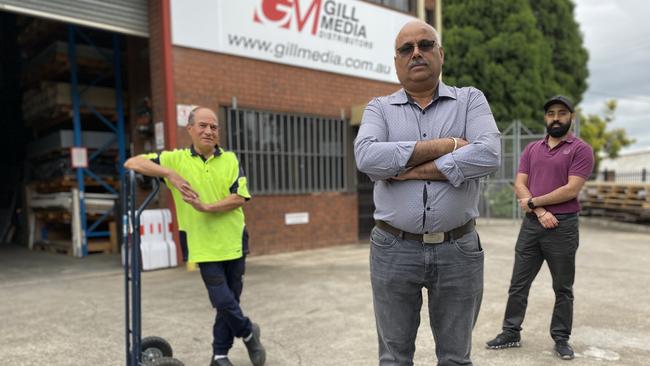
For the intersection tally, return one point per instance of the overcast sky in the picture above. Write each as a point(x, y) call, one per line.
point(617, 36)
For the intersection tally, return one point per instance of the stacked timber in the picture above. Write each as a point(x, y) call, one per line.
point(620, 201)
point(52, 63)
point(52, 101)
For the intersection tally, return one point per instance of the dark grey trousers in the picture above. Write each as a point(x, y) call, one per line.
point(452, 273)
point(558, 248)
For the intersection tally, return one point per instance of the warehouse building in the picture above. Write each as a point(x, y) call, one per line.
point(85, 84)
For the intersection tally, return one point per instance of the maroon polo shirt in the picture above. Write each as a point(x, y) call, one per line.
point(549, 169)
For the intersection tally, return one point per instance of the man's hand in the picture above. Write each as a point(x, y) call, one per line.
point(523, 204)
point(182, 185)
point(195, 202)
point(548, 220)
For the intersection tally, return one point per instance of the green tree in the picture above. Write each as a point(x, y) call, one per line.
point(593, 129)
point(556, 21)
point(507, 49)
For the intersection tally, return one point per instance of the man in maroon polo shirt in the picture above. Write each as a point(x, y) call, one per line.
point(551, 173)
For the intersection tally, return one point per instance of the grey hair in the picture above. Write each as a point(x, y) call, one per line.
point(190, 117)
point(436, 36)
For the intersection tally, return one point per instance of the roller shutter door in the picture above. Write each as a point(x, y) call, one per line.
point(122, 16)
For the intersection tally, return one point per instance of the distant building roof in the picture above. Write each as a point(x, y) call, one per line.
point(633, 160)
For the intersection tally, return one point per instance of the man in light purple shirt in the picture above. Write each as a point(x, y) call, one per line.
point(425, 146)
point(551, 173)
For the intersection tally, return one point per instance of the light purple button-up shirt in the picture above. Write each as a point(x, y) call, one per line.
point(391, 126)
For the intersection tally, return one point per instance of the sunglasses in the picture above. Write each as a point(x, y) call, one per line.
point(425, 45)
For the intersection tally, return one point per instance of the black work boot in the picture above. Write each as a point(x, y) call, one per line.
point(564, 350)
point(504, 340)
point(221, 362)
point(255, 349)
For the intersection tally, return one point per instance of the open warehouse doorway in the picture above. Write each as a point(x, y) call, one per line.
point(74, 91)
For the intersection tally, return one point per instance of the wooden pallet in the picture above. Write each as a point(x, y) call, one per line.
point(63, 112)
point(59, 66)
point(64, 217)
point(65, 183)
point(102, 246)
point(53, 216)
point(622, 201)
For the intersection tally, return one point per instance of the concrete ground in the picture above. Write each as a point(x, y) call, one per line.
point(315, 307)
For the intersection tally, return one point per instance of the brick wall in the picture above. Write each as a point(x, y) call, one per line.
point(212, 79)
point(332, 220)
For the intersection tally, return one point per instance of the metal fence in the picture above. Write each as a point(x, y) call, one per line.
point(610, 175)
point(497, 193)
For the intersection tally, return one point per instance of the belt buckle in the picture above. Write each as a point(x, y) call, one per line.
point(433, 238)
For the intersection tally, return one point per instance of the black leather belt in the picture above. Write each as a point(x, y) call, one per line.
point(429, 238)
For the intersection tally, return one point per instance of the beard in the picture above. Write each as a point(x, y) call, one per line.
point(557, 129)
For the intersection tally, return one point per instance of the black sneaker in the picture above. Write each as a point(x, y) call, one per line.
point(504, 340)
point(256, 351)
point(221, 362)
point(564, 350)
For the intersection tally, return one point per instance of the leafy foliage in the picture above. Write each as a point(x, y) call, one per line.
point(555, 19)
point(518, 52)
point(593, 129)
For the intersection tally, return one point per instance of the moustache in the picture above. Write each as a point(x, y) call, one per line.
point(417, 62)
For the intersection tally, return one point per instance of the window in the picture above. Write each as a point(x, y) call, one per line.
point(406, 6)
point(289, 153)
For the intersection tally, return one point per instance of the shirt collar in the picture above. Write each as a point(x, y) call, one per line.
point(402, 97)
point(569, 138)
point(217, 151)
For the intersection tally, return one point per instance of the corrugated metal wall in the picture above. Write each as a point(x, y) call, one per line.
point(122, 16)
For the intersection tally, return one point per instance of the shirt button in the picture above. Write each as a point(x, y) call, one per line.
point(424, 112)
point(426, 232)
point(428, 208)
point(424, 135)
point(428, 182)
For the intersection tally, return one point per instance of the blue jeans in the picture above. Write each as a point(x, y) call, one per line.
point(223, 281)
point(452, 273)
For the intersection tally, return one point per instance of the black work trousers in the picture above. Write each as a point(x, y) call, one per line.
point(557, 247)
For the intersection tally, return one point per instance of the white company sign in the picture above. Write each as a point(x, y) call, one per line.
point(342, 36)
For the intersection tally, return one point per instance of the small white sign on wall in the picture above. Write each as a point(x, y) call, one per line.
point(79, 156)
point(159, 135)
point(296, 218)
point(183, 113)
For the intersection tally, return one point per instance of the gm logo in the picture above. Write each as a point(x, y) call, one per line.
point(284, 13)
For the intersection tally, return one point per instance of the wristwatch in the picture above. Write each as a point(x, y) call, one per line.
point(531, 205)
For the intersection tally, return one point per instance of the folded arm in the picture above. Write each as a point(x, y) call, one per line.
point(230, 202)
point(381, 159)
point(561, 194)
point(147, 167)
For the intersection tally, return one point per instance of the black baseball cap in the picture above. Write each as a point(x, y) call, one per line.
point(559, 99)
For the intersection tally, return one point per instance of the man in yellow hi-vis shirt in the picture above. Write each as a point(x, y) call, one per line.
point(209, 189)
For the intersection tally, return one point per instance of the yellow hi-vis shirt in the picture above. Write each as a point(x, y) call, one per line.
point(210, 237)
